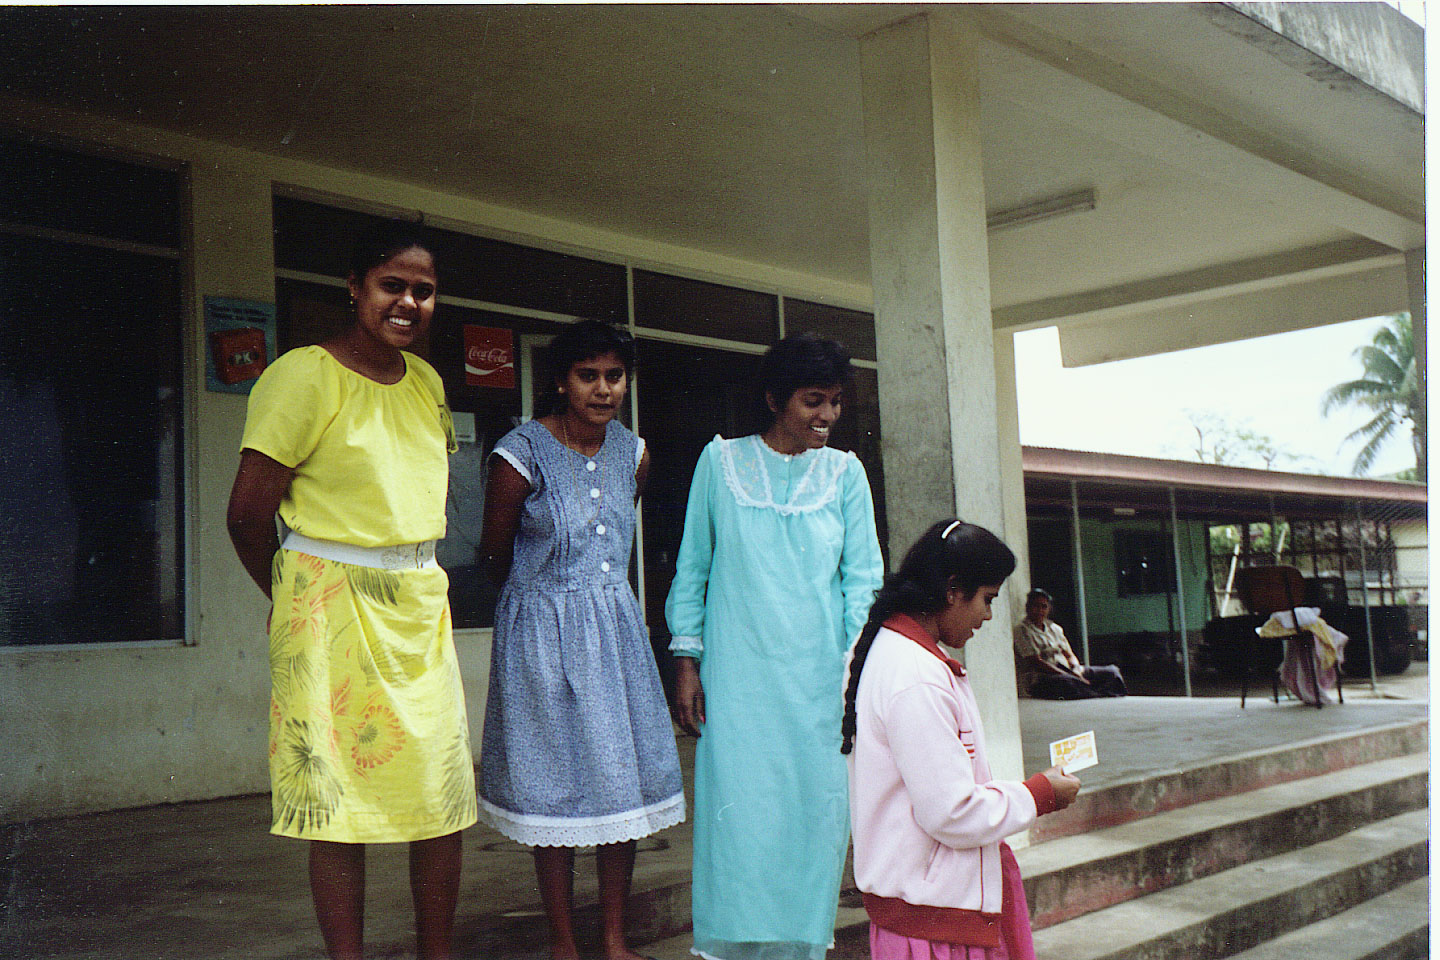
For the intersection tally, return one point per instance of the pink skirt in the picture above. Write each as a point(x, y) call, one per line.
point(1015, 940)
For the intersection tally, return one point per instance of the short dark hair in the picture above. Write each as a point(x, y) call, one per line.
point(1038, 594)
point(580, 342)
point(383, 240)
point(800, 360)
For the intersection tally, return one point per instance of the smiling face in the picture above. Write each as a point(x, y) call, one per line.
point(396, 298)
point(595, 388)
point(804, 422)
point(958, 622)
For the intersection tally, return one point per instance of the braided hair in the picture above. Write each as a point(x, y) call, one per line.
point(951, 554)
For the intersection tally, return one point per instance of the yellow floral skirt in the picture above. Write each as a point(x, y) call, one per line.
point(368, 735)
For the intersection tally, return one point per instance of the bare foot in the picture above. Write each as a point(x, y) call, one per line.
point(622, 952)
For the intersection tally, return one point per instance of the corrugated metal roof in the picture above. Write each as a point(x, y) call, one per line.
point(1110, 480)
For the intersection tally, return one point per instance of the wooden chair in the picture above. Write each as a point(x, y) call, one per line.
point(1270, 590)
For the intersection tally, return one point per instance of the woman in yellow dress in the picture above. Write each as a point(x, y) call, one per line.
point(347, 441)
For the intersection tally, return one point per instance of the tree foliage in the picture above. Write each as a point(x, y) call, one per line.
point(1237, 444)
point(1390, 390)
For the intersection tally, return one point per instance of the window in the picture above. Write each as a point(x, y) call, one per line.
point(851, 327)
point(91, 406)
point(1143, 562)
point(682, 305)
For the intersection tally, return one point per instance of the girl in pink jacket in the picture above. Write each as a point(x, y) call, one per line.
point(928, 821)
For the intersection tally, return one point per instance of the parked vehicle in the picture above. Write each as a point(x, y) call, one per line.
point(1225, 638)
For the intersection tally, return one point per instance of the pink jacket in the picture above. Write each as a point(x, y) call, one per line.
point(927, 818)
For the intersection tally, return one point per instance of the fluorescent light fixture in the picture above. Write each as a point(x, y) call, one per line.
point(1077, 202)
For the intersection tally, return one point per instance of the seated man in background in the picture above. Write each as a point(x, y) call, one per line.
point(1049, 668)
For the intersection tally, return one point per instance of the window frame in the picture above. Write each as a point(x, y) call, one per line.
point(185, 478)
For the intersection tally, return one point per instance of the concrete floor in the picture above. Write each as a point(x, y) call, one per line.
point(206, 880)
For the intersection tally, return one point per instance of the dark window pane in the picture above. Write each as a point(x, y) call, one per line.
point(317, 239)
point(687, 396)
point(853, 328)
point(90, 445)
point(663, 302)
point(92, 195)
point(1143, 562)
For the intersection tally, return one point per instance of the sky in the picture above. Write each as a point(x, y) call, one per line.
point(1273, 385)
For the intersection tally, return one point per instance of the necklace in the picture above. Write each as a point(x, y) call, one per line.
point(565, 437)
point(594, 491)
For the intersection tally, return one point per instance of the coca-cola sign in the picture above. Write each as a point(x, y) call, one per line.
point(489, 357)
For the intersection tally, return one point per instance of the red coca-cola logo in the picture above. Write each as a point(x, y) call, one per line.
point(489, 357)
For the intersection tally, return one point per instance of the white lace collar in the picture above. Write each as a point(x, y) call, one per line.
point(743, 463)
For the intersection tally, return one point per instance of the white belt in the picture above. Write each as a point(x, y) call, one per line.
point(402, 556)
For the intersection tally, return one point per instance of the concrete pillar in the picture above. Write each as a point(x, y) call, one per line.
point(1415, 284)
point(234, 256)
point(1012, 472)
point(930, 274)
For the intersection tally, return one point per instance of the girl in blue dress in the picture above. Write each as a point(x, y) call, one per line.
point(577, 749)
point(774, 578)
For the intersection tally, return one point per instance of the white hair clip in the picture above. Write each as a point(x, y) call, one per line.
point(945, 535)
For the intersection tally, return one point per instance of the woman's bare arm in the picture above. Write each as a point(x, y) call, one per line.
point(260, 485)
point(505, 494)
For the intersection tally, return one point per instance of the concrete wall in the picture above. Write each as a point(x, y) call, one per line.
point(1108, 612)
point(102, 726)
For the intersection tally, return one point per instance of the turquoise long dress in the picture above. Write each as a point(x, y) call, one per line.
point(775, 575)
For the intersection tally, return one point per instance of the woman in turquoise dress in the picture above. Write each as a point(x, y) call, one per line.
point(774, 578)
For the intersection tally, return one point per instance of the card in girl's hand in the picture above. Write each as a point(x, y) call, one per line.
point(1075, 753)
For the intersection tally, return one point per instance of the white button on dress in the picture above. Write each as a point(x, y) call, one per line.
point(594, 493)
point(600, 529)
point(590, 466)
point(605, 567)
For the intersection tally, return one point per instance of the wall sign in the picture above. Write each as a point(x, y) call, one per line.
point(489, 357)
point(240, 343)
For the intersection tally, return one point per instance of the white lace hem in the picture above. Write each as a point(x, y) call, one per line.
point(815, 490)
point(514, 461)
point(540, 831)
point(743, 951)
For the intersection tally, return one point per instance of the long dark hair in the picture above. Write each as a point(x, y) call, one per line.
point(800, 360)
point(951, 553)
point(576, 344)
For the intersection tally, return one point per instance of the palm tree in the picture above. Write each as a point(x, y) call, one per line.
point(1391, 388)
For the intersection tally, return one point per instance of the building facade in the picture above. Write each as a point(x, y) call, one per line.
point(920, 182)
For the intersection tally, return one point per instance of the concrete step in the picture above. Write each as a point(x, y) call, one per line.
point(847, 922)
point(1392, 926)
point(1076, 875)
point(1080, 874)
point(1172, 789)
point(1238, 909)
